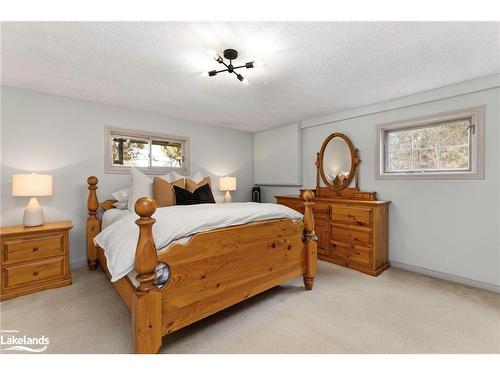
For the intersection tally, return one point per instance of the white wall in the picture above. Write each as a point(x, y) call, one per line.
point(277, 156)
point(65, 137)
point(450, 227)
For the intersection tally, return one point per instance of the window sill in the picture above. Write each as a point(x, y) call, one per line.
point(430, 176)
point(149, 171)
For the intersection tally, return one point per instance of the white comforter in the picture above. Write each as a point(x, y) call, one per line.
point(175, 223)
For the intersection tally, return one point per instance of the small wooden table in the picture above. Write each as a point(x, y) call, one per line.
point(34, 258)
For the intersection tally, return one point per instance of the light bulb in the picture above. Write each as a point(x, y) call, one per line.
point(204, 74)
point(259, 64)
point(245, 81)
point(212, 53)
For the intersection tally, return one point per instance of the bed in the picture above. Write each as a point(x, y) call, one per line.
point(201, 274)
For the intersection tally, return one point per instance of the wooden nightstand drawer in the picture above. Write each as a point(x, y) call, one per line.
point(34, 258)
point(33, 272)
point(30, 248)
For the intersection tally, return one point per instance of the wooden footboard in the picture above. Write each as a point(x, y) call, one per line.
point(220, 268)
point(215, 270)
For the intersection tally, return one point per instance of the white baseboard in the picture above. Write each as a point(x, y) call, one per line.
point(447, 276)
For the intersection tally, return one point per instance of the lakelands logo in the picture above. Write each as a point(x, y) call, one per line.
point(12, 340)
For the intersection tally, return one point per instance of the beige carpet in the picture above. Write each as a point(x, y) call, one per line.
point(346, 312)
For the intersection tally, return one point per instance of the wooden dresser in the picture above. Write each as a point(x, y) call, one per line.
point(34, 258)
point(352, 233)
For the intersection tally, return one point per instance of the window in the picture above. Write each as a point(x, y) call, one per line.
point(150, 152)
point(442, 146)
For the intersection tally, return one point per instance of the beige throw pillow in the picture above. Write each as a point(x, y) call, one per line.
point(163, 191)
point(192, 186)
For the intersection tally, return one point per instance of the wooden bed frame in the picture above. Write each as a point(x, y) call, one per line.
point(213, 271)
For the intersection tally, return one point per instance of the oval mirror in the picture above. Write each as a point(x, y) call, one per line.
point(337, 161)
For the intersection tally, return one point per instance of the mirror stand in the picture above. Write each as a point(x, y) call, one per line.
point(338, 189)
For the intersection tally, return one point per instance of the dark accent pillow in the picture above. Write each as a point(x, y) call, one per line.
point(201, 195)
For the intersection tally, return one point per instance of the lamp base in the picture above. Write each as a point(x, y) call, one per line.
point(33, 214)
point(227, 197)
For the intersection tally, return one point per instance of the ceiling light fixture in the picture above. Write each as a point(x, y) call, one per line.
point(230, 54)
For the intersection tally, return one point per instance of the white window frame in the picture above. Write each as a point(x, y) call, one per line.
point(110, 132)
point(476, 161)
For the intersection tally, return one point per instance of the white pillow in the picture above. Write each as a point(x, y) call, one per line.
point(121, 195)
point(197, 177)
point(174, 176)
point(140, 186)
point(120, 205)
point(167, 177)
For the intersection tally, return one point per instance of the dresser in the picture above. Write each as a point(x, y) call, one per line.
point(34, 258)
point(352, 233)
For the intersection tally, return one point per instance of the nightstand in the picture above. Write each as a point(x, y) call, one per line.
point(34, 258)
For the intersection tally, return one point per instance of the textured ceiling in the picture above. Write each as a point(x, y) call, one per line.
point(312, 69)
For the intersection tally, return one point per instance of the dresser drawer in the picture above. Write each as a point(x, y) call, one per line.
point(32, 272)
point(350, 251)
point(321, 211)
point(323, 233)
point(351, 234)
point(352, 215)
point(29, 248)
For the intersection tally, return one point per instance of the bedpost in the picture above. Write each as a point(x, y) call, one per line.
point(309, 240)
point(146, 301)
point(93, 223)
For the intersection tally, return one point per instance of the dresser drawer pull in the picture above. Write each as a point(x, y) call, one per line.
point(35, 248)
point(35, 273)
point(273, 245)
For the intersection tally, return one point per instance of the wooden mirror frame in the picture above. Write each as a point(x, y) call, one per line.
point(354, 162)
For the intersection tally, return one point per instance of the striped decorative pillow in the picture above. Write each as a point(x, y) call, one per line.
point(201, 195)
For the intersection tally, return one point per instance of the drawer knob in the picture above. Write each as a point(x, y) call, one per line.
point(35, 273)
point(273, 245)
point(35, 248)
point(289, 247)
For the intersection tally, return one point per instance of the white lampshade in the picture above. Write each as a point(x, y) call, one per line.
point(31, 185)
point(227, 183)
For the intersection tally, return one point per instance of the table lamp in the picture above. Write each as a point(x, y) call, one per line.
point(32, 185)
point(227, 184)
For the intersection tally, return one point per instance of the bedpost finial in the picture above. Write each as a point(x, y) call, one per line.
point(145, 207)
point(308, 195)
point(92, 180)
